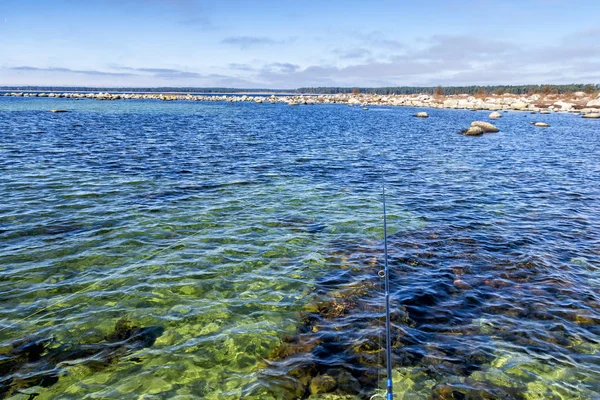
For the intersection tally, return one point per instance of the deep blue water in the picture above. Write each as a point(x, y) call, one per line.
point(234, 226)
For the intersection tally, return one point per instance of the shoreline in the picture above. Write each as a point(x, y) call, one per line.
point(578, 102)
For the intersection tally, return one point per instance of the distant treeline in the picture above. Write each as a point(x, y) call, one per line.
point(59, 89)
point(439, 90)
point(449, 90)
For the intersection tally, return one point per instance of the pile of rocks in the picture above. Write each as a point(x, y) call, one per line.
point(478, 128)
point(578, 102)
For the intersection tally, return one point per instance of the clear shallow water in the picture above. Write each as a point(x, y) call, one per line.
point(232, 226)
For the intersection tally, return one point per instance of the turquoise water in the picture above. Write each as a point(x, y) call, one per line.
point(224, 224)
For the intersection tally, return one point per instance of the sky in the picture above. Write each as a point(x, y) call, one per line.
point(289, 44)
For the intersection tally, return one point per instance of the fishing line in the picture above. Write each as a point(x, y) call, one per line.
point(91, 286)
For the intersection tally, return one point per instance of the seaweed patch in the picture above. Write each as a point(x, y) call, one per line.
point(31, 361)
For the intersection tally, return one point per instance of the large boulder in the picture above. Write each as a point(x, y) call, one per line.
point(495, 115)
point(473, 131)
point(564, 106)
point(519, 105)
point(486, 126)
point(593, 103)
point(450, 103)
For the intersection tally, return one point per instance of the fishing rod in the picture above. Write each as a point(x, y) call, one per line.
point(388, 330)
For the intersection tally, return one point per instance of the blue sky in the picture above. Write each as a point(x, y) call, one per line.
point(289, 44)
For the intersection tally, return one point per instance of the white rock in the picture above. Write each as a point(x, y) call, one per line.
point(592, 115)
point(541, 124)
point(519, 105)
point(473, 131)
point(450, 103)
point(593, 103)
point(564, 106)
point(486, 126)
point(495, 115)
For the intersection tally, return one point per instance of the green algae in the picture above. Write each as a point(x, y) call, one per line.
point(412, 384)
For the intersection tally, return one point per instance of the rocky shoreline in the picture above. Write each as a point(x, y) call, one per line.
point(578, 102)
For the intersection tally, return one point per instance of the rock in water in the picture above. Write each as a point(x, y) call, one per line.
point(486, 126)
point(495, 115)
point(58, 111)
point(592, 115)
point(461, 284)
point(422, 114)
point(322, 384)
point(473, 131)
point(30, 362)
point(541, 124)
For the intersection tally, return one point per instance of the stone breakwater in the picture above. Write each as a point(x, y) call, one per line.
point(578, 102)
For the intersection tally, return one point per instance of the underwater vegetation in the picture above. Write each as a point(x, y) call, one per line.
point(34, 361)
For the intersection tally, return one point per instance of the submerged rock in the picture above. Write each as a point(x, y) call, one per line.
point(422, 114)
point(541, 125)
point(30, 362)
point(495, 115)
point(459, 283)
point(322, 384)
point(486, 126)
point(58, 111)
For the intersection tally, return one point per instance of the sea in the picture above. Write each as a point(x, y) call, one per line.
point(212, 250)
